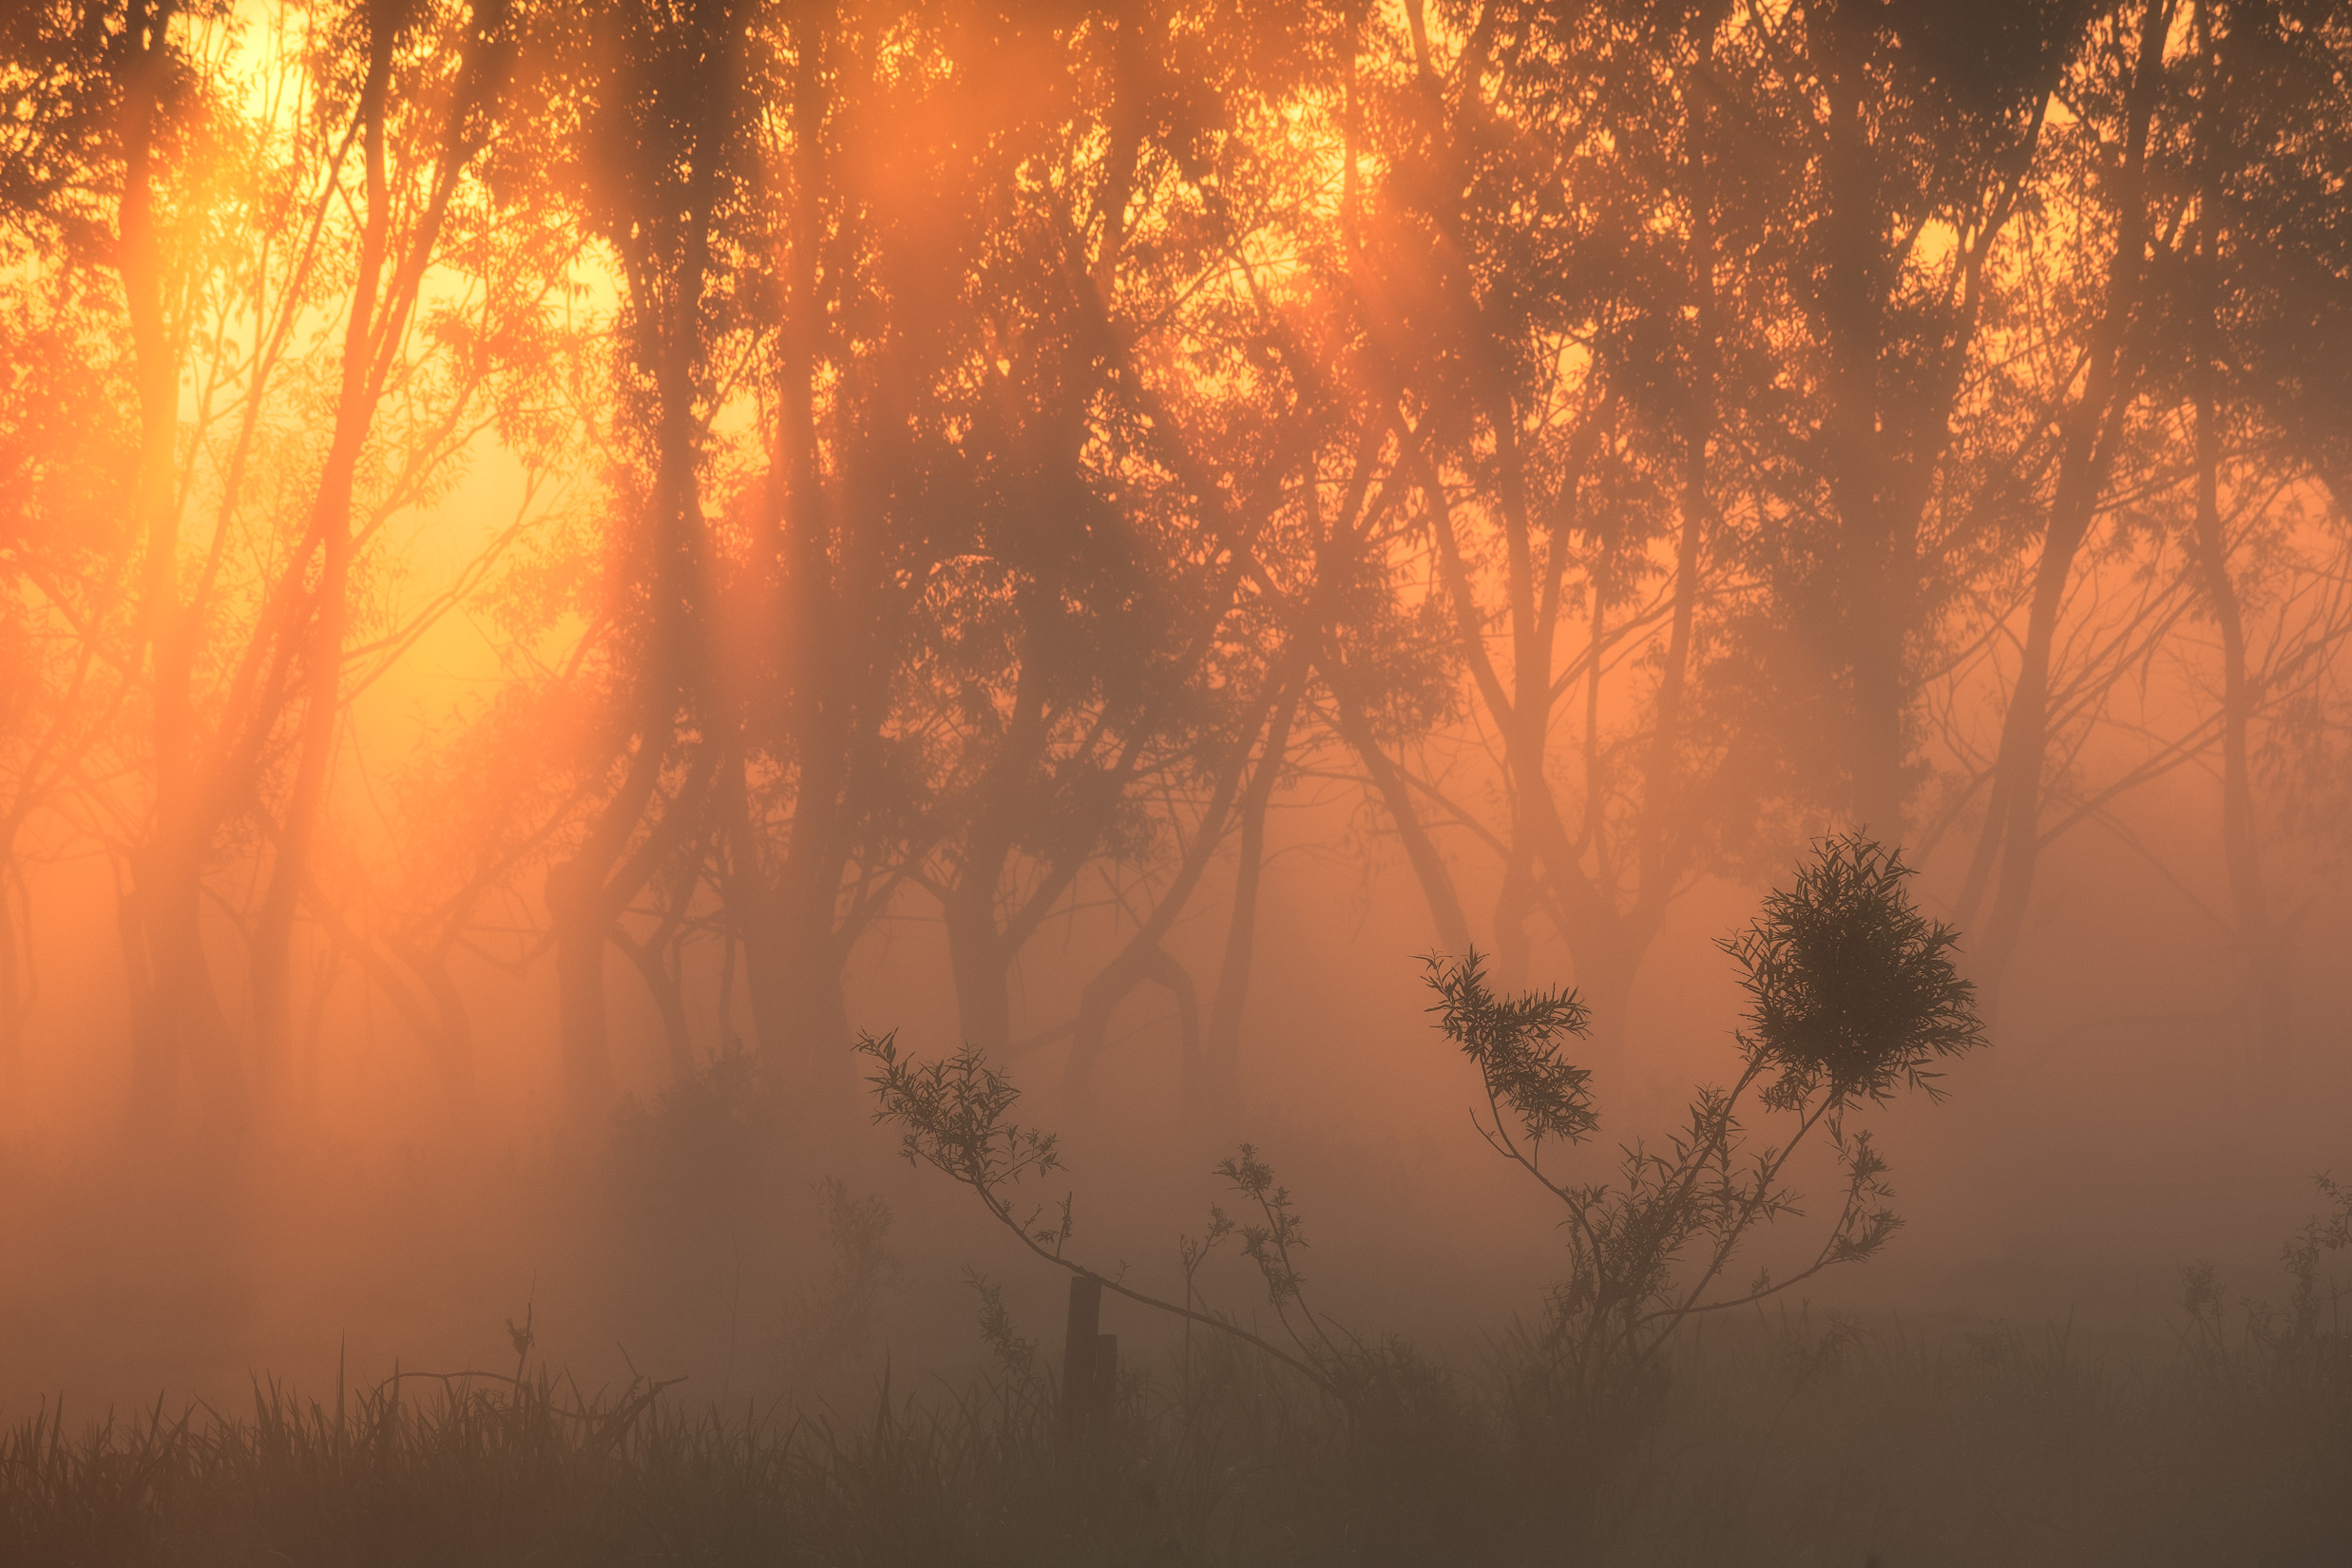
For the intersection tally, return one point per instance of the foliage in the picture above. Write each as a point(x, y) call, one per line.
point(1852, 987)
point(695, 1162)
point(1852, 991)
point(1015, 1357)
point(829, 1326)
point(933, 492)
point(956, 1116)
point(1516, 1047)
point(2301, 1346)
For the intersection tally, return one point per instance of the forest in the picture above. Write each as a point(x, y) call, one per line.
point(614, 612)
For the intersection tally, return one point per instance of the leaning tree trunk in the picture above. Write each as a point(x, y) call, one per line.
point(2265, 954)
point(2013, 824)
point(1220, 1050)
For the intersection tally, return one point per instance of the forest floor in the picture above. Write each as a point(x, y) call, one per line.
point(1783, 1442)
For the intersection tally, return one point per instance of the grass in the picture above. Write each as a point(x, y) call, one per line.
point(1779, 1442)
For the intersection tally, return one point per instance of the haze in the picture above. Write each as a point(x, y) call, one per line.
point(563, 561)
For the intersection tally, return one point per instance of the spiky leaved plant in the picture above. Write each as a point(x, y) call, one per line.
point(957, 1115)
point(1854, 996)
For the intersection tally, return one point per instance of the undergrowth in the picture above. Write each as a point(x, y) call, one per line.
point(1662, 1405)
point(1786, 1440)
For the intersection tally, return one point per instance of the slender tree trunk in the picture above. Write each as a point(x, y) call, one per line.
point(979, 956)
point(1195, 1092)
point(588, 893)
point(665, 249)
point(983, 938)
point(791, 957)
point(800, 1013)
point(1871, 577)
point(448, 1034)
point(2082, 479)
point(582, 927)
point(180, 1021)
point(443, 1030)
point(13, 999)
point(586, 897)
point(582, 910)
point(1662, 792)
point(2265, 953)
point(977, 961)
point(1515, 903)
point(1220, 1050)
point(273, 940)
point(1604, 939)
point(1389, 782)
point(652, 959)
point(1142, 959)
point(324, 974)
point(2265, 950)
point(2025, 738)
point(789, 919)
point(156, 1050)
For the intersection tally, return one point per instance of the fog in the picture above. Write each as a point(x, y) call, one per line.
point(2121, 1124)
point(639, 642)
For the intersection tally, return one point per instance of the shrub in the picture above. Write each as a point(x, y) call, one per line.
point(1853, 995)
point(956, 1115)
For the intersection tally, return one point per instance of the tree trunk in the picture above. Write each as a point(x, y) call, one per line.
point(1389, 782)
point(652, 959)
point(1220, 1051)
point(270, 966)
point(445, 1033)
point(2265, 956)
point(14, 1000)
point(1142, 958)
point(2015, 825)
point(581, 909)
point(977, 960)
point(789, 919)
point(581, 925)
point(792, 972)
point(178, 1019)
point(1868, 573)
point(980, 954)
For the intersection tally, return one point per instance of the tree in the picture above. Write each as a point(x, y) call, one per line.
point(271, 214)
point(664, 167)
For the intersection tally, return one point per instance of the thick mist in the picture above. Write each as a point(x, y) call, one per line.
point(575, 576)
point(2119, 1125)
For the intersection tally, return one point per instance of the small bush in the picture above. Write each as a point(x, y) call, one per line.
point(1853, 993)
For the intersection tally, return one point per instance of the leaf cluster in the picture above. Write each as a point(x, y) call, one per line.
point(1853, 990)
point(1516, 1045)
point(955, 1116)
point(1855, 993)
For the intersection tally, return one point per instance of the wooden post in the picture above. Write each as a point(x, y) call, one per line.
point(1102, 1389)
point(1078, 1354)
